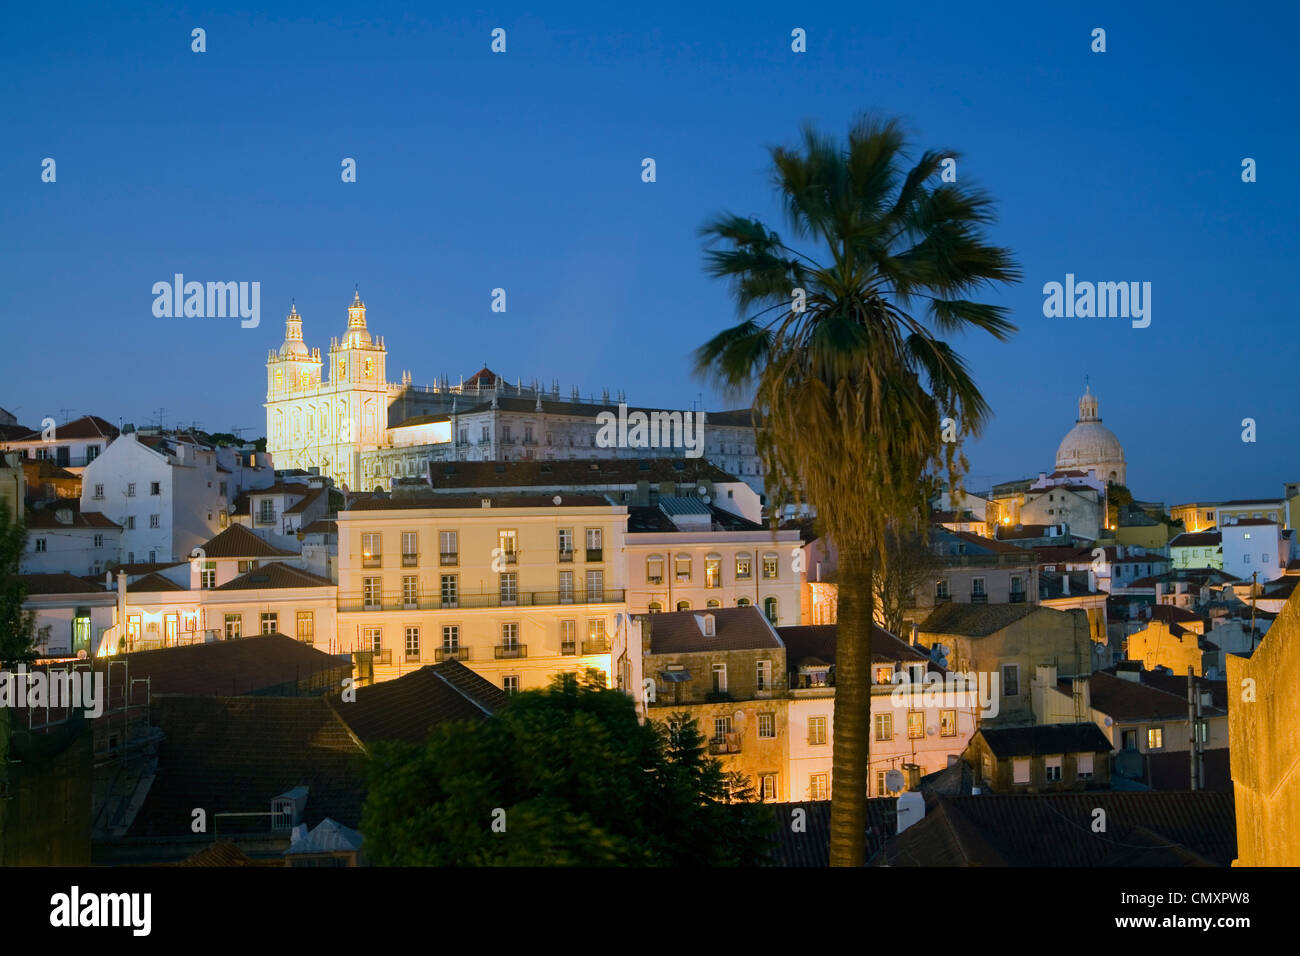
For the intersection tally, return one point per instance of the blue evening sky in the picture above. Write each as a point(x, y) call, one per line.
point(478, 170)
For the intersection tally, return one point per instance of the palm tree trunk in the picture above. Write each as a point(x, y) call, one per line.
point(852, 740)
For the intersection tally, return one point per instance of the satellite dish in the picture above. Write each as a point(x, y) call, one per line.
point(931, 731)
point(81, 654)
point(556, 499)
point(701, 490)
point(894, 781)
point(1109, 721)
point(738, 717)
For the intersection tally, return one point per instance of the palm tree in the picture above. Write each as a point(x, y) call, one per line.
point(850, 383)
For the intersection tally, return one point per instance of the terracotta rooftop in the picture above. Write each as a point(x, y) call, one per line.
point(408, 707)
point(974, 620)
point(459, 475)
point(273, 575)
point(804, 641)
point(736, 628)
point(238, 542)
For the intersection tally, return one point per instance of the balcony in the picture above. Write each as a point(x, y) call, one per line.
point(382, 656)
point(726, 744)
point(504, 652)
point(410, 560)
point(396, 601)
point(595, 647)
point(509, 557)
point(595, 555)
point(979, 599)
point(449, 559)
point(568, 647)
point(655, 579)
point(942, 598)
point(451, 654)
point(565, 556)
point(1017, 597)
point(372, 561)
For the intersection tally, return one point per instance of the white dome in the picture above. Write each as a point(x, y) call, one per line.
point(1090, 444)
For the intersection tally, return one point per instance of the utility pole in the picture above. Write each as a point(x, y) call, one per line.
point(1191, 724)
point(1253, 576)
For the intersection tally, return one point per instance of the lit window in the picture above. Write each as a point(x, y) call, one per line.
point(766, 726)
point(816, 730)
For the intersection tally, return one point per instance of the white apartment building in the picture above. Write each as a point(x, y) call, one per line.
point(518, 588)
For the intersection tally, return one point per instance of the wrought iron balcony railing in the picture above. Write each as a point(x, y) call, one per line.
point(395, 601)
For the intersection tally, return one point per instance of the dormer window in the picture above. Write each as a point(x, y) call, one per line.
point(708, 625)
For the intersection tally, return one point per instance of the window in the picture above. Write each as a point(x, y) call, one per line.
point(208, 575)
point(92, 452)
point(915, 724)
point(1083, 765)
point(770, 609)
point(508, 542)
point(153, 521)
point(816, 730)
point(568, 637)
point(370, 593)
point(713, 571)
point(270, 622)
point(744, 567)
point(941, 589)
point(246, 566)
point(768, 786)
point(654, 569)
point(1052, 768)
point(947, 723)
point(1264, 558)
point(987, 764)
point(306, 626)
point(410, 549)
point(770, 562)
point(448, 586)
point(155, 488)
point(565, 543)
point(374, 639)
point(234, 626)
point(977, 588)
point(448, 548)
point(596, 636)
point(510, 635)
point(682, 567)
point(766, 726)
point(683, 605)
point(719, 678)
point(881, 789)
point(713, 602)
point(451, 637)
point(130, 524)
point(817, 786)
point(509, 684)
point(40, 544)
point(721, 727)
point(655, 608)
point(508, 587)
point(1155, 738)
point(594, 546)
point(884, 726)
point(412, 643)
point(410, 591)
point(884, 673)
point(1010, 680)
point(99, 541)
point(99, 491)
point(130, 490)
point(763, 679)
point(1245, 559)
point(372, 555)
point(595, 587)
point(1020, 770)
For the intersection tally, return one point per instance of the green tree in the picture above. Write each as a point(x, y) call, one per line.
point(850, 383)
point(17, 626)
point(562, 776)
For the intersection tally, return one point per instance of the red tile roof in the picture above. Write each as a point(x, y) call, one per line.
point(238, 542)
point(737, 628)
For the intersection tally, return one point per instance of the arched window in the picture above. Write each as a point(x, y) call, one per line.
point(683, 605)
point(769, 609)
point(654, 569)
point(714, 602)
point(655, 607)
point(742, 602)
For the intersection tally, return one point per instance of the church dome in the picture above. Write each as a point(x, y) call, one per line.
point(293, 346)
point(357, 335)
point(1090, 444)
